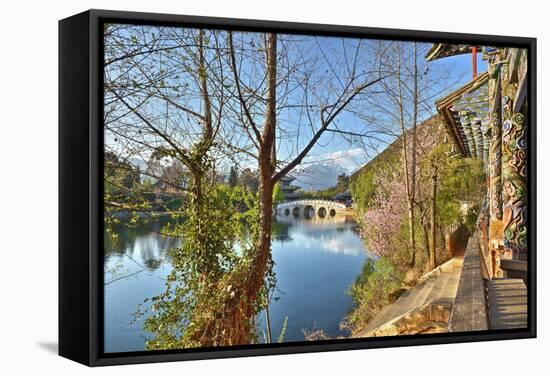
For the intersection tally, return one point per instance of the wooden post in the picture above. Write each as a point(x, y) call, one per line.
point(495, 239)
point(495, 150)
point(433, 216)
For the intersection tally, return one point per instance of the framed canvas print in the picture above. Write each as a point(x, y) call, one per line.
point(236, 187)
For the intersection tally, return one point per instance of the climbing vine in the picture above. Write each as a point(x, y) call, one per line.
point(202, 302)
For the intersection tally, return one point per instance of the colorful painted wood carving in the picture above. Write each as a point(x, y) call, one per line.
point(514, 175)
point(495, 155)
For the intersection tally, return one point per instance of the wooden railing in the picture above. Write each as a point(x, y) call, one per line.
point(514, 269)
point(490, 292)
point(469, 309)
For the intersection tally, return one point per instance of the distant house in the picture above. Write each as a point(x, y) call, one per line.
point(344, 198)
point(288, 189)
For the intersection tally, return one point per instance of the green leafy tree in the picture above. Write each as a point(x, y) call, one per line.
point(149, 111)
point(278, 194)
point(374, 288)
point(249, 179)
point(233, 176)
point(342, 184)
point(123, 194)
point(446, 181)
point(204, 291)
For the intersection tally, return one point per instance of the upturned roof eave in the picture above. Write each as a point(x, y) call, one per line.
point(444, 107)
point(467, 88)
point(443, 50)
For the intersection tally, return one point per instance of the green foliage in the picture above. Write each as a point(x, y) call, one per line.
point(205, 287)
point(249, 179)
point(460, 181)
point(342, 184)
point(324, 194)
point(373, 289)
point(174, 204)
point(233, 176)
point(363, 185)
point(120, 175)
point(278, 194)
point(464, 179)
point(122, 194)
point(471, 218)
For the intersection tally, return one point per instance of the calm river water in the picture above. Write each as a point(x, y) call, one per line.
point(315, 262)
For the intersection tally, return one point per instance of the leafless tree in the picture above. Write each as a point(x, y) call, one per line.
point(159, 101)
point(209, 98)
point(405, 102)
point(314, 85)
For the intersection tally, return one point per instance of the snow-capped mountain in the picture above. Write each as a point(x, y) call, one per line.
point(321, 171)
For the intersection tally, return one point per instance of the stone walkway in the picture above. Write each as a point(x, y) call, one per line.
point(454, 298)
point(425, 308)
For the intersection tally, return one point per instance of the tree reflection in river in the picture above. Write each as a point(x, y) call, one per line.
point(316, 260)
point(145, 243)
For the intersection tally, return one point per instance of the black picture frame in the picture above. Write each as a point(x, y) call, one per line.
point(80, 187)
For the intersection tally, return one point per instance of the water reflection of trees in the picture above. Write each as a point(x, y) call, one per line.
point(280, 231)
point(147, 240)
point(148, 247)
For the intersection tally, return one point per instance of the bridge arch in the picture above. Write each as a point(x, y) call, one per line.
point(309, 211)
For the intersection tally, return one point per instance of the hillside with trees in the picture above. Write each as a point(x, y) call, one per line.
point(448, 192)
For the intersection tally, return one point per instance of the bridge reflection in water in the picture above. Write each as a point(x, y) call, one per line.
point(313, 209)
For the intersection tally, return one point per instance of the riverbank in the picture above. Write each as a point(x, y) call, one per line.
point(386, 289)
point(125, 214)
point(315, 262)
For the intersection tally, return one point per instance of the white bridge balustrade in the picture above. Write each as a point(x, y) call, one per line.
point(312, 208)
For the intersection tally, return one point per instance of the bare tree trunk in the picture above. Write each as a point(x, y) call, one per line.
point(274, 151)
point(207, 122)
point(433, 235)
point(197, 167)
point(426, 233)
point(415, 120)
point(266, 215)
point(263, 250)
point(266, 160)
point(412, 198)
point(265, 141)
point(406, 167)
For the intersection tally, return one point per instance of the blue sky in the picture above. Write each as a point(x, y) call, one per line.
point(334, 153)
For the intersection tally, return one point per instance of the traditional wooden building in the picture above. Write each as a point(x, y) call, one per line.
point(289, 190)
point(486, 119)
point(485, 288)
point(344, 198)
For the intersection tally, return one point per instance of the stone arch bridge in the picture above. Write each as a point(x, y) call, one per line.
point(311, 208)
